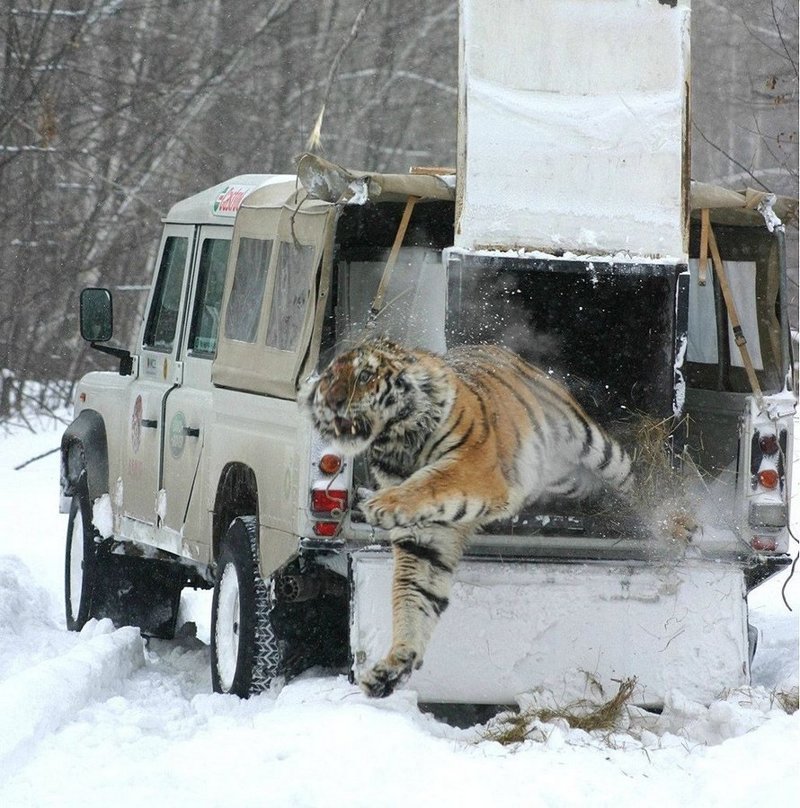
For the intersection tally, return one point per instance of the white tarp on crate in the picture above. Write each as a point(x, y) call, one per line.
point(515, 627)
point(572, 119)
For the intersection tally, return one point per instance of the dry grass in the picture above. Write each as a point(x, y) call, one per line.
point(513, 728)
point(662, 491)
point(656, 479)
point(789, 700)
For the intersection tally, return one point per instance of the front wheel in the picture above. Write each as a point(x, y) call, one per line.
point(246, 656)
point(81, 564)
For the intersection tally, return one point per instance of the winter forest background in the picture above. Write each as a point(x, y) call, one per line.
point(112, 110)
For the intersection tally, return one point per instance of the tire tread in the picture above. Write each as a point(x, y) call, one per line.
point(267, 657)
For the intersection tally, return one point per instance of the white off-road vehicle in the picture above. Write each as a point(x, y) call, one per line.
point(193, 465)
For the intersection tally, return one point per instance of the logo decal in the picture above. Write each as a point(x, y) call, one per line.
point(229, 199)
point(177, 434)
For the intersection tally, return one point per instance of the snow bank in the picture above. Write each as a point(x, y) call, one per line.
point(740, 712)
point(22, 603)
point(28, 631)
point(39, 700)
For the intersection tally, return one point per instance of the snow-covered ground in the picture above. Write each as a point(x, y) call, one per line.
point(100, 719)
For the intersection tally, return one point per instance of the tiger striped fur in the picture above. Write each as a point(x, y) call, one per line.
point(454, 442)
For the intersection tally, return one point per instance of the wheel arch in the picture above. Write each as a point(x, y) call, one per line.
point(84, 447)
point(237, 495)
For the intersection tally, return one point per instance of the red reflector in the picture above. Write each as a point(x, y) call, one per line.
point(768, 444)
point(325, 528)
point(82, 398)
point(325, 500)
point(769, 478)
point(330, 463)
point(763, 543)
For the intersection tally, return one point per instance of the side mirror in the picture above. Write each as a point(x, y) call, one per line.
point(97, 325)
point(97, 315)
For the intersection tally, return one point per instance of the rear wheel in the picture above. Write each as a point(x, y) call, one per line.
point(81, 562)
point(246, 656)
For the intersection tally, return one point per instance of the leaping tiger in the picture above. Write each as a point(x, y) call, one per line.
point(454, 442)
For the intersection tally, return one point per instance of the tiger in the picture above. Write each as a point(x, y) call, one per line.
point(453, 441)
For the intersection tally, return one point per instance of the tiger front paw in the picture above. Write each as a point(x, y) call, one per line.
point(385, 509)
point(386, 675)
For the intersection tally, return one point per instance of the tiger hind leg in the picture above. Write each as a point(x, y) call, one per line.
point(424, 562)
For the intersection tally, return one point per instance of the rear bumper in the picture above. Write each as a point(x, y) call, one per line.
point(711, 545)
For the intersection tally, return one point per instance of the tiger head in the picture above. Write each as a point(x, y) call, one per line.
point(363, 391)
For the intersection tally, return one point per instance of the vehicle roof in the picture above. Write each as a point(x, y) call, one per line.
point(219, 203)
point(210, 207)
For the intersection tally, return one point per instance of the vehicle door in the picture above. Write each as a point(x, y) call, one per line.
point(158, 373)
point(188, 404)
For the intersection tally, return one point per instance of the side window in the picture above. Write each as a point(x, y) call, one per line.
point(244, 306)
point(208, 297)
point(290, 296)
point(162, 322)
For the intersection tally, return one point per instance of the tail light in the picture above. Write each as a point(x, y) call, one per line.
point(764, 543)
point(767, 503)
point(330, 463)
point(768, 444)
point(329, 490)
point(769, 478)
point(329, 505)
point(326, 530)
point(766, 460)
point(328, 502)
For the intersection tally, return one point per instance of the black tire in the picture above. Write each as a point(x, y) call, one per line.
point(81, 561)
point(246, 656)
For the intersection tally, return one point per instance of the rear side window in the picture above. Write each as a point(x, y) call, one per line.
point(703, 346)
point(247, 294)
point(208, 297)
point(162, 322)
point(290, 296)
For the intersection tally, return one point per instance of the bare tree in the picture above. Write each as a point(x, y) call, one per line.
point(111, 110)
point(745, 100)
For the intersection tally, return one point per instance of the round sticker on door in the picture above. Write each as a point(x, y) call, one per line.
point(136, 425)
point(177, 434)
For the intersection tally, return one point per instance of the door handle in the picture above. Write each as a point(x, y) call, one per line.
point(149, 424)
point(191, 431)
